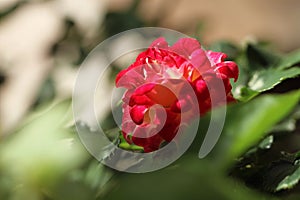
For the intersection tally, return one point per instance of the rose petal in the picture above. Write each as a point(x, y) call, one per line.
point(144, 89)
point(200, 61)
point(201, 90)
point(215, 57)
point(160, 43)
point(228, 68)
point(171, 126)
point(149, 143)
point(185, 47)
point(162, 95)
point(140, 100)
point(137, 114)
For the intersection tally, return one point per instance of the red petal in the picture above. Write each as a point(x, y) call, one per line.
point(144, 89)
point(162, 95)
point(201, 90)
point(171, 126)
point(140, 100)
point(150, 144)
point(137, 114)
point(228, 68)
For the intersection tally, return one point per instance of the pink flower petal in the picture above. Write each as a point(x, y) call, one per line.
point(215, 57)
point(200, 60)
point(160, 43)
point(185, 47)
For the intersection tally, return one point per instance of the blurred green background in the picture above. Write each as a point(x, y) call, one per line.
point(43, 43)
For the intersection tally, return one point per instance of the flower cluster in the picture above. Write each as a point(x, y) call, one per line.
point(169, 85)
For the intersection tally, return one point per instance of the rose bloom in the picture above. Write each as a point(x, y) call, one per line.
point(167, 86)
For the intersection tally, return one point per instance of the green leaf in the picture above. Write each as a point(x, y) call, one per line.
point(41, 153)
point(261, 70)
point(289, 181)
point(226, 47)
point(289, 123)
point(97, 175)
point(267, 79)
point(260, 57)
point(289, 60)
point(272, 175)
point(130, 147)
point(189, 178)
point(248, 123)
point(266, 143)
point(245, 94)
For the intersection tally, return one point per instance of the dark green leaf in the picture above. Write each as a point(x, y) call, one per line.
point(226, 47)
point(273, 175)
point(190, 178)
point(267, 79)
point(290, 181)
point(260, 58)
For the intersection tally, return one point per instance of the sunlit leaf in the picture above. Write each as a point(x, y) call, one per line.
point(267, 79)
point(261, 70)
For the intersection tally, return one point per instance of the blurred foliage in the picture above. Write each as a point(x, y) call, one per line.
point(46, 93)
point(189, 178)
point(116, 22)
point(257, 156)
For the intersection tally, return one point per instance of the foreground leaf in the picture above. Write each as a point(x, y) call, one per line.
point(190, 178)
point(40, 154)
point(248, 123)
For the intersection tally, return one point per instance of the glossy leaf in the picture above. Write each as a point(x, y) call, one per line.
point(289, 181)
point(261, 70)
point(267, 79)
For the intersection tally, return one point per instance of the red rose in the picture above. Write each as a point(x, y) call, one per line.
point(163, 75)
